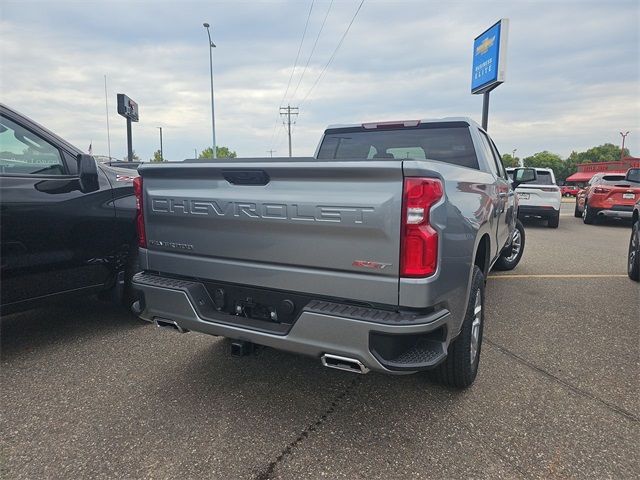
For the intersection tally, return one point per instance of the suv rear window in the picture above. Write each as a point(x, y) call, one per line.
point(544, 178)
point(612, 179)
point(449, 143)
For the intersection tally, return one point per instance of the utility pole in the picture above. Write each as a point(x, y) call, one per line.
point(161, 153)
point(271, 152)
point(624, 135)
point(195, 153)
point(288, 111)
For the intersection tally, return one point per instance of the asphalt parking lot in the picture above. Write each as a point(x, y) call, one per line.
point(90, 392)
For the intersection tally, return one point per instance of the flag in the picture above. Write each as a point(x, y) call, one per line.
point(90, 148)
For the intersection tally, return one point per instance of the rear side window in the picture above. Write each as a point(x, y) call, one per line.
point(445, 144)
point(24, 153)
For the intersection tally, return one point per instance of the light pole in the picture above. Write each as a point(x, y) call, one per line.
point(513, 155)
point(213, 119)
point(624, 135)
point(161, 152)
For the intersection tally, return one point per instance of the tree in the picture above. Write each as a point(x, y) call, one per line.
point(545, 159)
point(607, 152)
point(221, 152)
point(157, 157)
point(509, 160)
point(134, 157)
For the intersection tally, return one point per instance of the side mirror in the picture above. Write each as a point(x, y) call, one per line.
point(633, 175)
point(524, 175)
point(88, 173)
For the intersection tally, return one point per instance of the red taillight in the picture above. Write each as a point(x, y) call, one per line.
point(419, 240)
point(601, 190)
point(137, 190)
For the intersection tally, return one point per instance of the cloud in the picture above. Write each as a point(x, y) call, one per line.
point(572, 79)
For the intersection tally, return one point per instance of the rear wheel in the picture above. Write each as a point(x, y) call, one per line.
point(554, 220)
point(510, 258)
point(633, 265)
point(588, 214)
point(460, 368)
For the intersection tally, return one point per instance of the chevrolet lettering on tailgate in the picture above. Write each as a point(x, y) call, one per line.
point(275, 211)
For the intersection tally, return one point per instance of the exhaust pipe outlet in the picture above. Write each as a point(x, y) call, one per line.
point(169, 324)
point(241, 348)
point(343, 363)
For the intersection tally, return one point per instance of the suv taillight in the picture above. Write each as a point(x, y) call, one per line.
point(600, 190)
point(137, 190)
point(419, 240)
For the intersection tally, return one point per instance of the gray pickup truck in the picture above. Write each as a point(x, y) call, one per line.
point(372, 255)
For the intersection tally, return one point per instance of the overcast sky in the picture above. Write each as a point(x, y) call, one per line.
point(573, 74)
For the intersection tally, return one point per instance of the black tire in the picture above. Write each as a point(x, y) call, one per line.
point(633, 260)
point(554, 220)
point(460, 368)
point(577, 213)
point(589, 214)
point(507, 261)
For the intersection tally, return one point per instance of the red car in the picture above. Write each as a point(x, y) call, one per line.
point(610, 195)
point(569, 190)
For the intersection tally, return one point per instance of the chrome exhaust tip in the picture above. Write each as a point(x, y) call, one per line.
point(169, 324)
point(343, 363)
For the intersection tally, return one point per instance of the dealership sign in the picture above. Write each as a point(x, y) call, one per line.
point(489, 58)
point(127, 107)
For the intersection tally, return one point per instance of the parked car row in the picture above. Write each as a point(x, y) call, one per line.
point(404, 234)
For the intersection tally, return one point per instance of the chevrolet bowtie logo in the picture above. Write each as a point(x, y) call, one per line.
point(486, 44)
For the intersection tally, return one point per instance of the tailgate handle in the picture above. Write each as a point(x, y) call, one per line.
point(246, 177)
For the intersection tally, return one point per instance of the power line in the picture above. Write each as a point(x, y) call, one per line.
point(313, 49)
point(295, 63)
point(324, 69)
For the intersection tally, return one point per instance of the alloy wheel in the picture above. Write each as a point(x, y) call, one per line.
point(516, 245)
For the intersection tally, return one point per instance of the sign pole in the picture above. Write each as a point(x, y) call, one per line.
point(129, 142)
point(489, 63)
point(129, 110)
point(485, 110)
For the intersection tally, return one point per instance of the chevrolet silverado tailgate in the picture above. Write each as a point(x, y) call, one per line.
point(326, 228)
